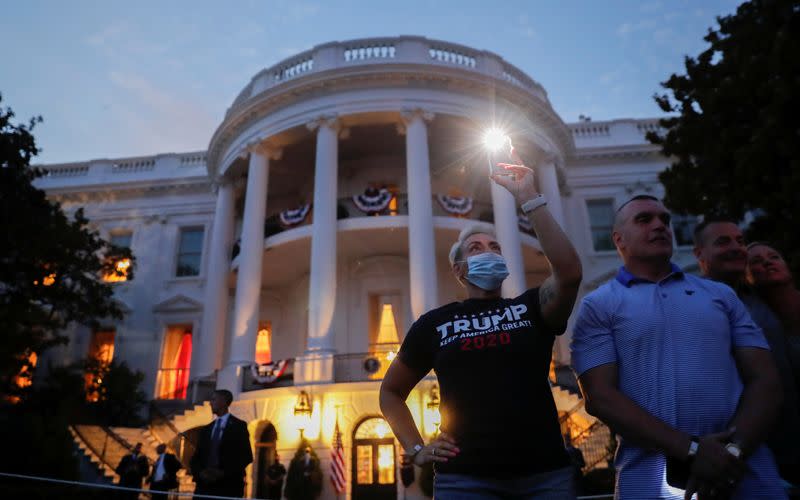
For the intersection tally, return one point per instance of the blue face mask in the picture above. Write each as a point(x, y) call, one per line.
point(487, 270)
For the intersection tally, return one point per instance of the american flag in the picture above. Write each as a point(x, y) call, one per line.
point(337, 461)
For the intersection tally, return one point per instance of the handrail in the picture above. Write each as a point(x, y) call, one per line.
point(186, 448)
point(101, 454)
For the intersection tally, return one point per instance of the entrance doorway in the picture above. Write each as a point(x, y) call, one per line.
point(265, 456)
point(374, 457)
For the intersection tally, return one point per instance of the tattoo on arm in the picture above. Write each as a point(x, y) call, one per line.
point(546, 292)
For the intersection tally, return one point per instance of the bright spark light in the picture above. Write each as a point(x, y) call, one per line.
point(494, 139)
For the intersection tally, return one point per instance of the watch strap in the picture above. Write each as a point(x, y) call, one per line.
point(534, 203)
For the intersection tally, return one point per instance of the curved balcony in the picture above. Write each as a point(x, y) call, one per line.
point(395, 50)
point(374, 80)
point(276, 233)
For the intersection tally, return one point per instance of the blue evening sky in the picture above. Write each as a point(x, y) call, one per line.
point(115, 78)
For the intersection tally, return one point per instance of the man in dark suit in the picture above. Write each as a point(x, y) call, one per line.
point(132, 469)
point(165, 473)
point(223, 451)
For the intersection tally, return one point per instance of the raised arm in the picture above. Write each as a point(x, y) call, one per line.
point(558, 293)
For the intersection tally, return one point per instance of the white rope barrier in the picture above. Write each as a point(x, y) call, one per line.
point(172, 493)
point(118, 488)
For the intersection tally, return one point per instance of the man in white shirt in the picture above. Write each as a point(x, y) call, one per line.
point(165, 473)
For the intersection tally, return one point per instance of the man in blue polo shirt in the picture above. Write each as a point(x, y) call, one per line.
point(674, 364)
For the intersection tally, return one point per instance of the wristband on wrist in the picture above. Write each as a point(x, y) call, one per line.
point(534, 203)
point(734, 449)
point(694, 445)
point(414, 451)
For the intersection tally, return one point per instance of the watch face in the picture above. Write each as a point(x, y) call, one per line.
point(734, 449)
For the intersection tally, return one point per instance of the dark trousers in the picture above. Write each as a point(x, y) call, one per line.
point(223, 488)
point(159, 490)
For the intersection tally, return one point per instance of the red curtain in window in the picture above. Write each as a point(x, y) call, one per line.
point(182, 362)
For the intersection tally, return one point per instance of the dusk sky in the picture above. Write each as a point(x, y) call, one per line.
point(115, 79)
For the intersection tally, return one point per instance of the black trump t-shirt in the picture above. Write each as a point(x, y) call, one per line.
point(492, 358)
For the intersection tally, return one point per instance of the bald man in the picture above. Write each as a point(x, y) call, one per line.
point(674, 364)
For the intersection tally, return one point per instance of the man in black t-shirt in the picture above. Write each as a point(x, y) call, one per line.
point(500, 432)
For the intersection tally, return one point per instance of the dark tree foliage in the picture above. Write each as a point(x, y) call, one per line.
point(37, 428)
point(50, 265)
point(733, 135)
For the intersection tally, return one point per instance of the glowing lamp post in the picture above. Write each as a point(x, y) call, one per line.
point(302, 412)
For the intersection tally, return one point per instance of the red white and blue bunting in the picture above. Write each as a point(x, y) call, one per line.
point(294, 217)
point(373, 200)
point(270, 372)
point(456, 205)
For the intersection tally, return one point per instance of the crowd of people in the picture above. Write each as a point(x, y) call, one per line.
point(696, 375)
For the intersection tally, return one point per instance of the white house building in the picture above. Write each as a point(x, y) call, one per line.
point(286, 262)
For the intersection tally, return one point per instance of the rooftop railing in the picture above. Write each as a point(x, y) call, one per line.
point(168, 164)
point(397, 50)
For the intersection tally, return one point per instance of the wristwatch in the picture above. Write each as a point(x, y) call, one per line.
point(534, 203)
point(734, 449)
point(694, 445)
point(414, 451)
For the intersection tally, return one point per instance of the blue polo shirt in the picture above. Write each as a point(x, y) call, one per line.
point(672, 342)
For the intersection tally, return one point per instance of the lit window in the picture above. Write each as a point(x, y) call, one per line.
point(364, 464)
point(683, 229)
point(101, 353)
point(121, 267)
point(176, 358)
point(24, 377)
point(375, 452)
point(387, 327)
point(601, 221)
point(190, 249)
point(386, 464)
point(264, 343)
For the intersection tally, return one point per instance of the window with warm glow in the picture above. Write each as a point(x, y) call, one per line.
point(122, 240)
point(264, 343)
point(387, 326)
point(176, 358)
point(101, 353)
point(384, 338)
point(374, 428)
point(374, 452)
point(386, 464)
point(24, 377)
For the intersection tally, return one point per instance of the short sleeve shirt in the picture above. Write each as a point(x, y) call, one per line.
point(492, 357)
point(672, 342)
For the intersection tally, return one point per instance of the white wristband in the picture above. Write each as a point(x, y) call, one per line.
point(534, 203)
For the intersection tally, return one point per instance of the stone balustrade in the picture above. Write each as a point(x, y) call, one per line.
point(102, 171)
point(612, 133)
point(396, 50)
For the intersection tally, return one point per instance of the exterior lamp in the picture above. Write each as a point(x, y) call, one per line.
point(302, 412)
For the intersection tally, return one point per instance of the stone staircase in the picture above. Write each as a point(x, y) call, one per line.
point(592, 437)
point(105, 450)
point(196, 416)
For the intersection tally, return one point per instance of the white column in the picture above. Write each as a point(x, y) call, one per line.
point(322, 281)
point(507, 228)
point(548, 185)
point(421, 242)
point(208, 357)
point(248, 282)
